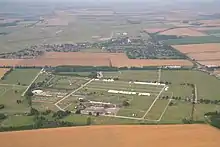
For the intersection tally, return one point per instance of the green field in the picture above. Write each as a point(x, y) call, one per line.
point(157, 110)
point(9, 96)
point(132, 75)
point(20, 76)
point(207, 86)
point(78, 30)
point(16, 121)
point(210, 32)
point(152, 107)
point(66, 83)
point(193, 40)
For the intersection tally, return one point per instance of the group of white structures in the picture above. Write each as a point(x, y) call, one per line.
point(65, 96)
point(137, 93)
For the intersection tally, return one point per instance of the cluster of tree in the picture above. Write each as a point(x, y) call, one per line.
point(70, 74)
point(164, 82)
point(38, 50)
point(173, 97)
point(3, 33)
point(134, 21)
point(5, 75)
point(2, 116)
point(214, 118)
point(188, 84)
point(84, 68)
point(60, 114)
point(207, 101)
point(39, 123)
point(34, 112)
point(125, 103)
point(200, 101)
point(187, 121)
point(2, 106)
point(18, 101)
point(9, 24)
point(153, 50)
point(160, 37)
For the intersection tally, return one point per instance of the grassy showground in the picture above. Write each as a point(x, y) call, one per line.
point(153, 108)
point(20, 76)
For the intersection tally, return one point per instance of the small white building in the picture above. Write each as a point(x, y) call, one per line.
point(124, 34)
point(36, 92)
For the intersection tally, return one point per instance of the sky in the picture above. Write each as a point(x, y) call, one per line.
point(93, 1)
point(111, 0)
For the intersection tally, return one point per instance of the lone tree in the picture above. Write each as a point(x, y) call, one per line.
point(29, 100)
point(34, 111)
point(2, 106)
point(89, 121)
point(125, 103)
point(2, 116)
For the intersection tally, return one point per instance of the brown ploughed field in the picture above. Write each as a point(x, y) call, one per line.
point(206, 28)
point(10, 62)
point(90, 59)
point(198, 48)
point(210, 63)
point(116, 136)
point(149, 62)
point(3, 71)
point(205, 56)
point(58, 62)
point(214, 22)
point(81, 55)
point(183, 32)
point(116, 59)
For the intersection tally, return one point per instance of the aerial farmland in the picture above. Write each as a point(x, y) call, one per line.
point(79, 65)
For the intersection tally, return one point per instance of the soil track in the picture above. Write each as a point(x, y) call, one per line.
point(198, 48)
point(91, 59)
point(116, 136)
point(183, 32)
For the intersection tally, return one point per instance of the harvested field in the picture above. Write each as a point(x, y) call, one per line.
point(198, 48)
point(81, 55)
point(55, 22)
point(215, 22)
point(90, 59)
point(210, 63)
point(206, 28)
point(183, 32)
point(150, 62)
point(58, 62)
point(205, 56)
point(3, 71)
point(123, 136)
point(10, 62)
point(217, 72)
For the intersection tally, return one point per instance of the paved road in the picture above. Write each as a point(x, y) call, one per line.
point(71, 94)
point(153, 102)
point(32, 82)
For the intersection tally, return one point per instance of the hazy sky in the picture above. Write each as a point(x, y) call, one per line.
point(155, 1)
point(110, 0)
